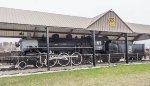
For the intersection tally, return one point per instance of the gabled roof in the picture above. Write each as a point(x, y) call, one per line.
point(102, 23)
point(94, 19)
point(26, 17)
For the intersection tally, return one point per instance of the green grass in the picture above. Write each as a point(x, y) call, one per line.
point(133, 75)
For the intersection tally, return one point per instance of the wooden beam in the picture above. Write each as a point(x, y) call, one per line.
point(71, 30)
point(91, 31)
point(54, 32)
point(120, 36)
point(99, 32)
point(34, 31)
point(137, 37)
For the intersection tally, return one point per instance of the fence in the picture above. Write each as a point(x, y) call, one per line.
point(86, 61)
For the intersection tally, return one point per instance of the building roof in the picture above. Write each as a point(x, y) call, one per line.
point(9, 15)
point(139, 28)
point(20, 19)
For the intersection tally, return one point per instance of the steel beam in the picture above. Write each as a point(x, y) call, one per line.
point(93, 43)
point(126, 48)
point(47, 35)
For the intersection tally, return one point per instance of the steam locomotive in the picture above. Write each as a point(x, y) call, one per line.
point(61, 49)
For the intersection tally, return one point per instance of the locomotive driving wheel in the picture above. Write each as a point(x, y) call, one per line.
point(105, 59)
point(52, 62)
point(39, 64)
point(64, 59)
point(76, 58)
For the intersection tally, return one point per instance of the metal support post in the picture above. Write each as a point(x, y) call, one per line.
point(149, 56)
point(94, 58)
point(126, 48)
point(124, 55)
point(71, 62)
point(137, 56)
point(18, 63)
point(109, 59)
point(47, 35)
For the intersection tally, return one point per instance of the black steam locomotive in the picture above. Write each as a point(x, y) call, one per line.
point(78, 48)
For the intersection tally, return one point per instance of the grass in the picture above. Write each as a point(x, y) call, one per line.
point(133, 75)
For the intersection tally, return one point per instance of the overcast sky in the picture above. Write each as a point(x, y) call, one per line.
point(136, 11)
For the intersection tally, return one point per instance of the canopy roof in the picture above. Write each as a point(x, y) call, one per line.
point(15, 21)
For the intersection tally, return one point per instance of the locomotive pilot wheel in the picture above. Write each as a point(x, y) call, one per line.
point(76, 60)
point(22, 65)
point(64, 59)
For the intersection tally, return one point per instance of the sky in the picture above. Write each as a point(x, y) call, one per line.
point(133, 11)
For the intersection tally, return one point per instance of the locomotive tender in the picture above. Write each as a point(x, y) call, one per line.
point(61, 49)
